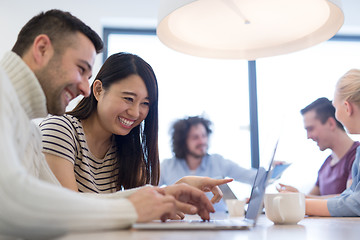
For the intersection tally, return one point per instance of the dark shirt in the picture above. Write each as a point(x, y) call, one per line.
point(333, 179)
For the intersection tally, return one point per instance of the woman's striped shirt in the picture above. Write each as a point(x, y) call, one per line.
point(64, 137)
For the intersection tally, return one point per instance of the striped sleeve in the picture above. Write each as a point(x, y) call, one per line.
point(59, 138)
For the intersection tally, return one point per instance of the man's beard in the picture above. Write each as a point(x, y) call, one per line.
point(195, 155)
point(46, 77)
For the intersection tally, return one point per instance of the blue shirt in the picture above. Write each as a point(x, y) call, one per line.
point(348, 203)
point(214, 166)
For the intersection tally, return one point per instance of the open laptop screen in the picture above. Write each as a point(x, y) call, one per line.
point(258, 190)
point(257, 194)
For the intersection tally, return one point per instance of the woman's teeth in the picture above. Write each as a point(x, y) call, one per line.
point(126, 122)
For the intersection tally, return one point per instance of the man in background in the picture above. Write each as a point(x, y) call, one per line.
point(190, 138)
point(322, 127)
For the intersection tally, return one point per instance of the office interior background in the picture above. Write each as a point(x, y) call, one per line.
point(217, 89)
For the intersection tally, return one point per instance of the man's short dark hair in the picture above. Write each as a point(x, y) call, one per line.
point(324, 110)
point(58, 26)
point(180, 131)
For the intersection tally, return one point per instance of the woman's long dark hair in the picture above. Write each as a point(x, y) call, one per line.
point(137, 152)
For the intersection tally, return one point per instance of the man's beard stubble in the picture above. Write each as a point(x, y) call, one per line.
point(195, 155)
point(47, 77)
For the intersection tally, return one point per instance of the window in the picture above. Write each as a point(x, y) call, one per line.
point(196, 86)
point(218, 90)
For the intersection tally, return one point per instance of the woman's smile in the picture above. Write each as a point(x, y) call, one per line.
point(126, 122)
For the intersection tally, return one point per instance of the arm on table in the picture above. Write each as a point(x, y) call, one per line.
point(313, 194)
point(317, 207)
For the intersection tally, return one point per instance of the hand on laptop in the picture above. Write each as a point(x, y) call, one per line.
point(206, 184)
point(170, 202)
point(152, 203)
point(190, 200)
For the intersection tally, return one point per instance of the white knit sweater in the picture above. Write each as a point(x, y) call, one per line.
point(30, 207)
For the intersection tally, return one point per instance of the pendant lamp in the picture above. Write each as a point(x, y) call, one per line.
point(246, 29)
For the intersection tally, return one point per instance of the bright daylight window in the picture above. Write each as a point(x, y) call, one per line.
point(218, 90)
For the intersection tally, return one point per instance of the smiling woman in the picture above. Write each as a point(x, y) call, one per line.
point(123, 106)
point(102, 146)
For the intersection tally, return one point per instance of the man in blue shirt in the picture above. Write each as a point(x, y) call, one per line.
point(190, 144)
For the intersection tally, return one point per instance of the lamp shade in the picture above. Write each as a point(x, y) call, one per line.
point(246, 29)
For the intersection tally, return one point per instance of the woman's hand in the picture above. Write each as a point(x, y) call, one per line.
point(206, 184)
point(189, 200)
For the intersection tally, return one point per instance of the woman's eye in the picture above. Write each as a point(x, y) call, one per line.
point(128, 99)
point(146, 103)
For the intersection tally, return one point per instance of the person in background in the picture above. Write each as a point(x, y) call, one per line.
point(347, 104)
point(108, 142)
point(190, 138)
point(49, 65)
point(322, 127)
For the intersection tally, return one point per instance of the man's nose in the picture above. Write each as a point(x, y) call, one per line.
point(203, 140)
point(309, 135)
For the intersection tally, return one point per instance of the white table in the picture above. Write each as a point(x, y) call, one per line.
point(308, 228)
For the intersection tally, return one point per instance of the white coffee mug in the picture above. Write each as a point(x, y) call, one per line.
point(236, 208)
point(285, 208)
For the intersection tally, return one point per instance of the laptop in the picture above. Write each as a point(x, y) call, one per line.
point(254, 209)
point(234, 189)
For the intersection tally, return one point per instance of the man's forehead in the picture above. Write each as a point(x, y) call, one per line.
point(196, 129)
point(198, 126)
point(310, 115)
point(310, 118)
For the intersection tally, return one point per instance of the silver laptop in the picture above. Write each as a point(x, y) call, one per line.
point(254, 209)
point(231, 191)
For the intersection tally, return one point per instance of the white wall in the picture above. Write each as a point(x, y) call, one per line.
point(15, 13)
point(351, 10)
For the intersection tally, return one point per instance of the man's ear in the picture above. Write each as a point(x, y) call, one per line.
point(42, 50)
point(97, 89)
point(332, 122)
